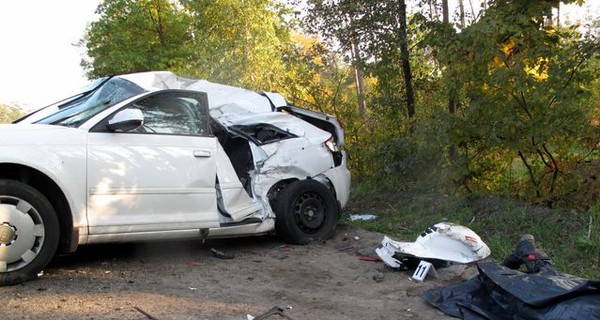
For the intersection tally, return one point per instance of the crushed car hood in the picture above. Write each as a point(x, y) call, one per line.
point(283, 121)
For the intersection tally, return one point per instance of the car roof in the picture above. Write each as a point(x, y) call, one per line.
point(219, 95)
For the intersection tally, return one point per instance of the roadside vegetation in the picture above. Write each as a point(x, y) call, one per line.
point(486, 114)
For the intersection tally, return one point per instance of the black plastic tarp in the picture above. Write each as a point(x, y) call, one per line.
point(502, 293)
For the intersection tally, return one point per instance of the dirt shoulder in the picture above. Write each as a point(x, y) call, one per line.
point(185, 280)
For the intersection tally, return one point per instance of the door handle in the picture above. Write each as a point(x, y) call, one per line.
point(202, 153)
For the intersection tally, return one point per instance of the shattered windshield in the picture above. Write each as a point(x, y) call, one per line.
point(75, 112)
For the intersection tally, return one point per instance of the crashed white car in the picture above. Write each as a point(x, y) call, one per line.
point(151, 156)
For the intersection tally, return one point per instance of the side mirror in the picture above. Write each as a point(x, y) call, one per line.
point(126, 120)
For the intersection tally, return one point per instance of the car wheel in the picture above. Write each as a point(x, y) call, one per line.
point(305, 211)
point(29, 232)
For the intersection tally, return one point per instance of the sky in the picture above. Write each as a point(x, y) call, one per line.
point(39, 63)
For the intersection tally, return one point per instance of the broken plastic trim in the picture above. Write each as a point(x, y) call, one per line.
point(386, 252)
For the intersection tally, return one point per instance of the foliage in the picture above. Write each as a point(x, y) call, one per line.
point(9, 113)
point(226, 41)
point(526, 105)
point(238, 42)
point(383, 145)
point(368, 32)
point(319, 79)
point(135, 36)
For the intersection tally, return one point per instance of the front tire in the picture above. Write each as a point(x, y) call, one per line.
point(305, 211)
point(29, 232)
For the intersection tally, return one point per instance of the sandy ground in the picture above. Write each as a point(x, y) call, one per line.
point(185, 280)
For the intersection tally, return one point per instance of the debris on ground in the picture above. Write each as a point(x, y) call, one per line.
point(149, 316)
point(362, 217)
point(220, 254)
point(276, 310)
point(367, 258)
point(377, 277)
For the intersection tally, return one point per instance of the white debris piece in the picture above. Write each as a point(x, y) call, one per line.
point(442, 241)
point(362, 217)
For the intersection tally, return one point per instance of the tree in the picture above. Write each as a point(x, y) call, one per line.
point(405, 59)
point(134, 36)
point(316, 77)
point(373, 31)
point(239, 42)
point(9, 114)
point(228, 41)
point(524, 84)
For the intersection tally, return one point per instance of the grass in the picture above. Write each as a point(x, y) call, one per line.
point(570, 238)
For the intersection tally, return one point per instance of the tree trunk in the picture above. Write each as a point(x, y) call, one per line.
point(431, 8)
point(358, 78)
point(445, 12)
point(558, 15)
point(405, 58)
point(452, 101)
point(461, 8)
point(474, 17)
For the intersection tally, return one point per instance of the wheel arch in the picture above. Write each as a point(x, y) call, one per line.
point(45, 185)
point(277, 187)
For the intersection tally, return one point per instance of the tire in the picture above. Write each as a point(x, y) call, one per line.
point(305, 211)
point(29, 232)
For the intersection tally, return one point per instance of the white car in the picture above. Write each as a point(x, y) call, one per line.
point(151, 156)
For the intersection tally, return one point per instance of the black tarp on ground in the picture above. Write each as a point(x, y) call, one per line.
point(502, 293)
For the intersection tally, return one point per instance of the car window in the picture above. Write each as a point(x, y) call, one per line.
point(179, 113)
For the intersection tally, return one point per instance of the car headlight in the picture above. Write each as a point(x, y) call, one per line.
point(330, 143)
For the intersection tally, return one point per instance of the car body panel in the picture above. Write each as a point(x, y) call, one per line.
point(141, 183)
point(285, 122)
point(234, 200)
point(55, 152)
point(282, 159)
point(340, 178)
